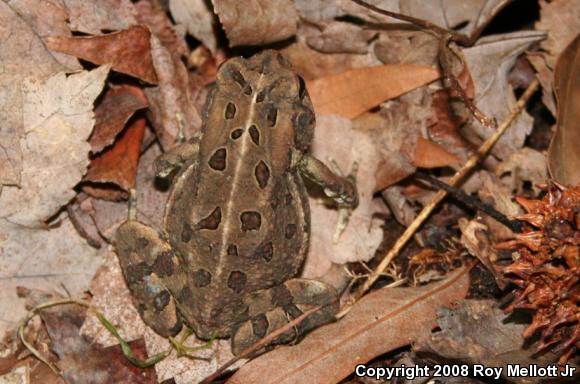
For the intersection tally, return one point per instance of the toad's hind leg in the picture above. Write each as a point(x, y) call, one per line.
point(147, 261)
point(273, 308)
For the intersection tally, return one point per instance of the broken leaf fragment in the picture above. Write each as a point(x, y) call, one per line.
point(563, 154)
point(128, 51)
point(350, 93)
point(255, 22)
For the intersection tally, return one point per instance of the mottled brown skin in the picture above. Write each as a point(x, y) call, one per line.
point(237, 220)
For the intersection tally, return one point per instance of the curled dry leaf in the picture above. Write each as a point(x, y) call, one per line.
point(355, 91)
point(489, 63)
point(561, 20)
point(199, 19)
point(117, 165)
point(563, 154)
point(524, 165)
point(111, 115)
point(443, 127)
point(172, 103)
point(154, 15)
point(57, 113)
point(277, 20)
point(476, 239)
point(380, 322)
point(128, 51)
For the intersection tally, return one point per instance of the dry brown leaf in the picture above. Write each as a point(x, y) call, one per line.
point(198, 18)
point(431, 155)
point(111, 115)
point(58, 119)
point(118, 164)
point(128, 51)
point(561, 20)
point(489, 63)
point(93, 17)
point(171, 103)
point(382, 321)
point(563, 154)
point(24, 56)
point(255, 22)
point(353, 92)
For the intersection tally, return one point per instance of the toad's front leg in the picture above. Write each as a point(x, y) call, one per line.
point(341, 190)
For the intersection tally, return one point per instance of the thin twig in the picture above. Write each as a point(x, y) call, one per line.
point(440, 195)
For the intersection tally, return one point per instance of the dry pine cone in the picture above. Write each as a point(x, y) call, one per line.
point(546, 268)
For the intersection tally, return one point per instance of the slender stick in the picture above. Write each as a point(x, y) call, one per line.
point(440, 195)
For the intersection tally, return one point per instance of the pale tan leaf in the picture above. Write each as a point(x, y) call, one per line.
point(57, 115)
point(353, 92)
point(339, 37)
point(94, 17)
point(255, 22)
point(47, 259)
point(471, 15)
point(564, 154)
point(382, 321)
point(23, 56)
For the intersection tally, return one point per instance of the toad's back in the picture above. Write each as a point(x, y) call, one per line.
point(238, 218)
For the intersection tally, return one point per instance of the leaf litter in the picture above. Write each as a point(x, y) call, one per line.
point(80, 137)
